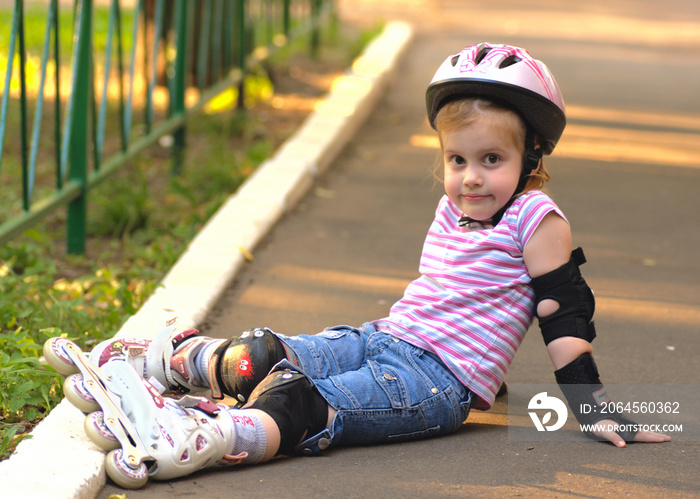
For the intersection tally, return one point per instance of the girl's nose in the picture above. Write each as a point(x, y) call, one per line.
point(472, 177)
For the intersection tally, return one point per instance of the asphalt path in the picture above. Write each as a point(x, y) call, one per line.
point(627, 175)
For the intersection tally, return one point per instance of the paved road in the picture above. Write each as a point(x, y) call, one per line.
point(627, 174)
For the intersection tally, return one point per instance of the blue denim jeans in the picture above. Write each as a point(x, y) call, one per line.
point(384, 389)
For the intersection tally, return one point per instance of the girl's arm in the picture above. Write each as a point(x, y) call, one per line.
point(548, 249)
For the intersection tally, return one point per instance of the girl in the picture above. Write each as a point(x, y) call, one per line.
point(498, 253)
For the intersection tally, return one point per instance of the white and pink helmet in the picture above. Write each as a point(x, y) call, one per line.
point(505, 73)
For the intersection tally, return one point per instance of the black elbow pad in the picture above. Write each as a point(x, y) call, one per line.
point(566, 286)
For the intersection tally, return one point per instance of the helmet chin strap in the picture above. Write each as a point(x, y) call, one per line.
point(531, 160)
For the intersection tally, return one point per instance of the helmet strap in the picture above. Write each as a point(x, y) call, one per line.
point(531, 161)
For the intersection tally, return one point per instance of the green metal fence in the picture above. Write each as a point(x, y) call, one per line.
point(137, 69)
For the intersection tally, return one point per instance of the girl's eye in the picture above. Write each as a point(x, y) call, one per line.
point(491, 159)
point(457, 160)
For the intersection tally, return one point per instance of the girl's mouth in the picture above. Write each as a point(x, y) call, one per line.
point(474, 197)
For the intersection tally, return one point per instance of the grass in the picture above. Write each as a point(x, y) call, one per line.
point(139, 223)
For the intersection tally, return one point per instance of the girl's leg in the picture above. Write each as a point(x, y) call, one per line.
point(272, 433)
point(292, 408)
point(333, 351)
point(400, 393)
point(235, 367)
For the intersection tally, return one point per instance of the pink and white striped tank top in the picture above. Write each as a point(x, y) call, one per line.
point(473, 303)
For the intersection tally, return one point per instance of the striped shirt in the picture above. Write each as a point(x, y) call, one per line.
point(473, 302)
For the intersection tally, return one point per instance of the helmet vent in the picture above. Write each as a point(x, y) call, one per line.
point(482, 53)
point(509, 61)
point(454, 60)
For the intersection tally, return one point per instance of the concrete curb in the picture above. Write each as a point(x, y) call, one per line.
point(59, 461)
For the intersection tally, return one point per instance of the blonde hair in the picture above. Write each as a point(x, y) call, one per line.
point(464, 112)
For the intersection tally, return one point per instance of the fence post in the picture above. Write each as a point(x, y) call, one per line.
point(179, 82)
point(315, 27)
point(287, 17)
point(57, 101)
point(26, 184)
point(241, 28)
point(78, 150)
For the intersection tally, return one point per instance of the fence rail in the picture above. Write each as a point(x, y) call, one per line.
point(137, 69)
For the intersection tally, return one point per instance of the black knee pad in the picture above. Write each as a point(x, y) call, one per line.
point(296, 406)
point(239, 365)
point(576, 302)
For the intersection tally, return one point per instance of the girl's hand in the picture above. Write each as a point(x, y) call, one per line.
point(641, 436)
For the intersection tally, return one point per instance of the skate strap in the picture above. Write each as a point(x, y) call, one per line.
point(179, 338)
point(157, 385)
point(215, 378)
point(136, 356)
point(201, 403)
point(182, 363)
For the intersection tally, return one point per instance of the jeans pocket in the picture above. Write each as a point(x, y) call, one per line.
point(336, 332)
point(390, 383)
point(434, 416)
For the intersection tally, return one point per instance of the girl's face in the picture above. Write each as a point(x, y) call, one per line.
point(482, 166)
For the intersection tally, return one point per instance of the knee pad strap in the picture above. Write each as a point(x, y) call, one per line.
point(296, 406)
point(566, 286)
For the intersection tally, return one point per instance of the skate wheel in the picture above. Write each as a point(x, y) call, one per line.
point(76, 393)
point(122, 474)
point(56, 356)
point(98, 432)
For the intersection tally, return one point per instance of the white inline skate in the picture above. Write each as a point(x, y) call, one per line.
point(168, 357)
point(145, 433)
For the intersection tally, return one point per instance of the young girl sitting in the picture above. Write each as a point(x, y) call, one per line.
point(498, 253)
